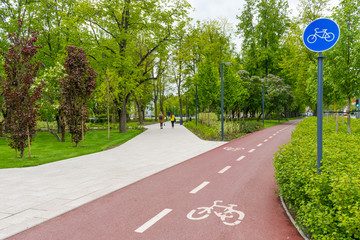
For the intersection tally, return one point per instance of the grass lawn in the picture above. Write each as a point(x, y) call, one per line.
point(270, 123)
point(45, 148)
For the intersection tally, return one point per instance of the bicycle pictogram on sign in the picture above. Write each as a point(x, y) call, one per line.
point(327, 36)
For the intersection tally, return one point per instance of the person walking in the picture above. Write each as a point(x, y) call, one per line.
point(161, 120)
point(172, 119)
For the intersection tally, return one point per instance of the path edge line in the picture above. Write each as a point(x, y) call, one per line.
point(291, 218)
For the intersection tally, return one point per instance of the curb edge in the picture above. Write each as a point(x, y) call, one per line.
point(291, 219)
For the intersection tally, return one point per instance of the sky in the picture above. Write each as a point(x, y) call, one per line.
point(214, 9)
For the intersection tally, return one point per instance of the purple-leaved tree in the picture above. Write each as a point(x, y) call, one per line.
point(76, 89)
point(18, 90)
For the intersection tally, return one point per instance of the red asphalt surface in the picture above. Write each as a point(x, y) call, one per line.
point(249, 183)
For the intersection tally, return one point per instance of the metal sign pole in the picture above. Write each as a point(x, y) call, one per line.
point(320, 113)
point(320, 35)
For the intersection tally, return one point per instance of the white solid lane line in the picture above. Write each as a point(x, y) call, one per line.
point(250, 151)
point(198, 188)
point(224, 169)
point(240, 158)
point(259, 145)
point(152, 221)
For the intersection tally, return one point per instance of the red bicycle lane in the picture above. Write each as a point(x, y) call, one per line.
point(157, 207)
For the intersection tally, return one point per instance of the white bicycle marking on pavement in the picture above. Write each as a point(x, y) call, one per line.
point(233, 149)
point(228, 215)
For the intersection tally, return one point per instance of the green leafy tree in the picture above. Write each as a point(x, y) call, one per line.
point(343, 59)
point(114, 25)
point(278, 94)
point(50, 104)
point(19, 90)
point(207, 81)
point(235, 91)
point(262, 25)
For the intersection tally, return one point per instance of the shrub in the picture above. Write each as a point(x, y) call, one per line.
point(134, 126)
point(232, 130)
point(326, 205)
point(203, 131)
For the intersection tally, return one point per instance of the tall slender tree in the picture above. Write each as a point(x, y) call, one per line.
point(19, 90)
point(76, 89)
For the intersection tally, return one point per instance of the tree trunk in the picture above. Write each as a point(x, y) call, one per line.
point(62, 126)
point(139, 104)
point(107, 104)
point(58, 123)
point(156, 110)
point(2, 129)
point(348, 118)
point(108, 120)
point(327, 115)
point(52, 132)
point(82, 132)
point(29, 145)
point(122, 116)
point(22, 153)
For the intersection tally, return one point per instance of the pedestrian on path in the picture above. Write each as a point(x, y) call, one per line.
point(172, 119)
point(161, 120)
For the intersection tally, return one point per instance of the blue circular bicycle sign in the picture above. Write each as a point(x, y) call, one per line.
point(321, 35)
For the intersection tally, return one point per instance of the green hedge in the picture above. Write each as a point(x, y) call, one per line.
point(327, 205)
point(232, 130)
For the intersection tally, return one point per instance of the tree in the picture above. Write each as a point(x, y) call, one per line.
point(76, 89)
point(49, 107)
point(207, 81)
point(114, 25)
point(19, 91)
point(344, 58)
point(278, 94)
point(262, 25)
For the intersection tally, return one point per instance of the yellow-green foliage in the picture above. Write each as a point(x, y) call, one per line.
point(208, 119)
point(326, 205)
point(209, 127)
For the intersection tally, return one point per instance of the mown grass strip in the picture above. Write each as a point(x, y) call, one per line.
point(45, 148)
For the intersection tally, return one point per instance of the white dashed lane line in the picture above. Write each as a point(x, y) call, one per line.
point(224, 169)
point(198, 188)
point(266, 140)
point(259, 145)
point(152, 221)
point(240, 158)
point(252, 150)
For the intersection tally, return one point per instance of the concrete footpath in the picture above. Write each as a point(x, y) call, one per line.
point(30, 196)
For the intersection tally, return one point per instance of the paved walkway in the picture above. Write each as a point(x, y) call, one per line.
point(33, 195)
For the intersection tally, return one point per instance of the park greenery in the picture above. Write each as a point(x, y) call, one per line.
point(78, 64)
point(327, 205)
point(47, 149)
point(150, 55)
